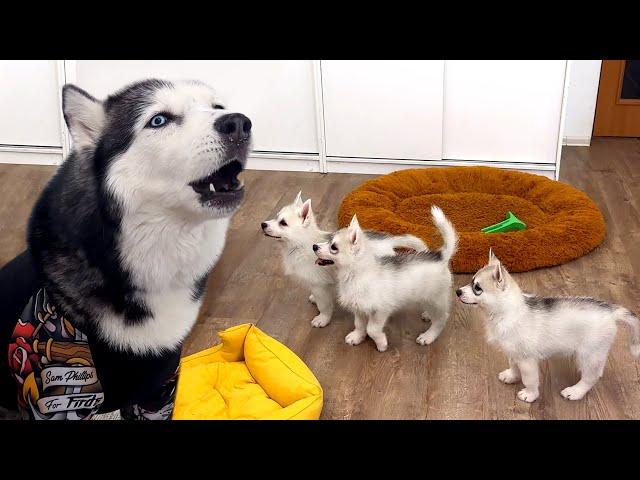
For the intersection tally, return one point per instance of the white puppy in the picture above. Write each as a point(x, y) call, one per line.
point(373, 287)
point(528, 329)
point(296, 230)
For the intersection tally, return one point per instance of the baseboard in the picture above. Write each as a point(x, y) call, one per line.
point(576, 141)
point(381, 166)
point(28, 155)
point(297, 162)
point(284, 161)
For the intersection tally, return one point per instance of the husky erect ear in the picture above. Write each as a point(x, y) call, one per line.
point(298, 200)
point(493, 260)
point(500, 276)
point(306, 213)
point(84, 115)
point(355, 232)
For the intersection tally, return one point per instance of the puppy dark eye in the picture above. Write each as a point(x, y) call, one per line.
point(217, 106)
point(476, 289)
point(158, 121)
point(334, 248)
point(283, 223)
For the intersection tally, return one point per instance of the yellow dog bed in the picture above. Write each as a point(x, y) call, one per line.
point(248, 376)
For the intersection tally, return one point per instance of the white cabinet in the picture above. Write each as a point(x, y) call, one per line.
point(502, 111)
point(383, 109)
point(278, 96)
point(29, 101)
point(329, 116)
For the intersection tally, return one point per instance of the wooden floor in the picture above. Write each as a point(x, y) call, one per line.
point(455, 378)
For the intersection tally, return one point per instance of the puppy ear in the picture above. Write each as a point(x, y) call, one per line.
point(298, 200)
point(355, 232)
point(306, 213)
point(493, 260)
point(354, 222)
point(83, 114)
point(500, 276)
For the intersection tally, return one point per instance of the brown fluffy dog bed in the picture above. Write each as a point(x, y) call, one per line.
point(562, 222)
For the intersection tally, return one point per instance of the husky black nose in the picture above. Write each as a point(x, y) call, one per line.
point(315, 247)
point(263, 225)
point(236, 125)
point(459, 292)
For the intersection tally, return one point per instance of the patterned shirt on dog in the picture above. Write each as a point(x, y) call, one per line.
point(63, 373)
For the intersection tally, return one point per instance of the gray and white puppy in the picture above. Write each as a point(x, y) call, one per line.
point(296, 230)
point(528, 328)
point(373, 287)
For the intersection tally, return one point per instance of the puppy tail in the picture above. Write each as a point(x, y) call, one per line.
point(449, 236)
point(628, 317)
point(409, 241)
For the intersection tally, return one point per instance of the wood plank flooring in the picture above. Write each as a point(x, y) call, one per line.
point(456, 377)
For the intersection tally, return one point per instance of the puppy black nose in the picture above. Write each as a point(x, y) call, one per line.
point(459, 292)
point(263, 225)
point(315, 248)
point(236, 125)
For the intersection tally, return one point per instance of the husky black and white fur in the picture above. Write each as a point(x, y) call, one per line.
point(529, 328)
point(296, 230)
point(374, 287)
point(127, 230)
point(124, 235)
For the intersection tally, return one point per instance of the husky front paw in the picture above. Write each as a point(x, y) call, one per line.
point(312, 299)
point(527, 395)
point(508, 376)
point(355, 337)
point(320, 321)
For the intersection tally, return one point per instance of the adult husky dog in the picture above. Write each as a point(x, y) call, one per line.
point(121, 241)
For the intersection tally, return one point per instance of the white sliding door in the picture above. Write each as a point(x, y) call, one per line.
point(278, 96)
point(383, 109)
point(503, 111)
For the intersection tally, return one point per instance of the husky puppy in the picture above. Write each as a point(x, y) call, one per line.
point(373, 287)
point(296, 230)
point(528, 328)
point(122, 239)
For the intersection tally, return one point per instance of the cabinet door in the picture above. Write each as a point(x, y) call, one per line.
point(29, 103)
point(278, 96)
point(383, 109)
point(503, 111)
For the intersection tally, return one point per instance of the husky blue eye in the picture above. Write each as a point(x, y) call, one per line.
point(157, 121)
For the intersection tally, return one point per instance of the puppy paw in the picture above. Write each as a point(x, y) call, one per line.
point(355, 338)
point(424, 317)
point(527, 395)
point(312, 299)
point(382, 345)
point(320, 321)
point(507, 376)
point(427, 337)
point(573, 393)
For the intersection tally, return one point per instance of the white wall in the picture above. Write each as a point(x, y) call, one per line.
point(584, 76)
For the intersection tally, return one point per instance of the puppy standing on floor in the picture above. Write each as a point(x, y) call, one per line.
point(528, 329)
point(296, 230)
point(374, 287)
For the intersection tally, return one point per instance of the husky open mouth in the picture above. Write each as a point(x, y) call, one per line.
point(323, 262)
point(222, 185)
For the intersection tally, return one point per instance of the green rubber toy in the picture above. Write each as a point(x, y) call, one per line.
point(510, 224)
